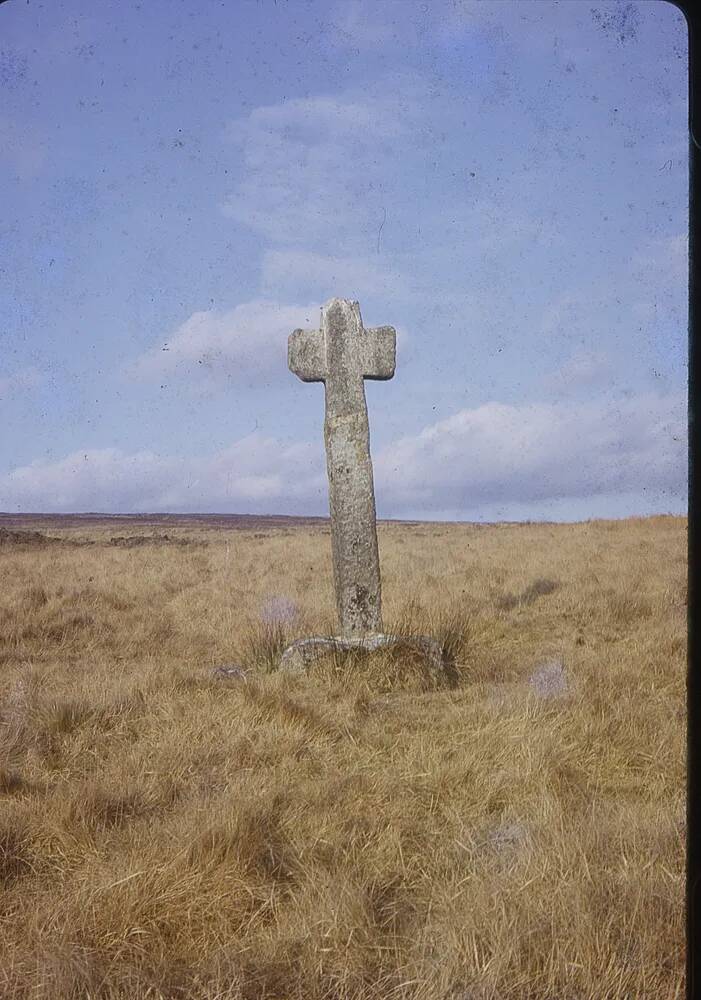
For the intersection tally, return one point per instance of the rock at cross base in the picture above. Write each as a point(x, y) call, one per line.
point(302, 653)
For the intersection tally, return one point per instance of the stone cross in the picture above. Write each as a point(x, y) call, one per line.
point(342, 354)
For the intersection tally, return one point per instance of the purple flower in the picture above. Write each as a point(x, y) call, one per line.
point(278, 610)
point(549, 680)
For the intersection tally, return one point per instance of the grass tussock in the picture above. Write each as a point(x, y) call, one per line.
point(511, 828)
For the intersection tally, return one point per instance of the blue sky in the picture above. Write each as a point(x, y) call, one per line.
point(182, 185)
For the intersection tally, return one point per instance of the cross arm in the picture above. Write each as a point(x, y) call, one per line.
point(306, 355)
point(379, 352)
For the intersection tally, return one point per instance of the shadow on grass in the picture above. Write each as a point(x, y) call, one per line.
point(539, 588)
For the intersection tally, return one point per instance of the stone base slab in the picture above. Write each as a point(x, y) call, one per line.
point(302, 653)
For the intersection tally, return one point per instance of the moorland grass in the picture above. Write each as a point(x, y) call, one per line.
point(362, 832)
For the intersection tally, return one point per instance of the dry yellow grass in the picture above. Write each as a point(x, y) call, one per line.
point(353, 833)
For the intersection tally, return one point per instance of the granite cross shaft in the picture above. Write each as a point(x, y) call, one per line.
point(342, 354)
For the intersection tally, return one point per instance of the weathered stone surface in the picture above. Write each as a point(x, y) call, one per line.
point(342, 354)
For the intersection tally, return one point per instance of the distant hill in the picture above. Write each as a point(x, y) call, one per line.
point(230, 521)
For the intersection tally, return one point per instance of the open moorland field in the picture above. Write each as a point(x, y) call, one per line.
point(514, 831)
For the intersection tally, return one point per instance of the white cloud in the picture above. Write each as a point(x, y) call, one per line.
point(349, 277)
point(247, 343)
point(537, 452)
point(491, 457)
point(304, 117)
point(583, 369)
point(338, 176)
point(255, 474)
point(321, 169)
point(320, 276)
point(358, 24)
point(14, 382)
